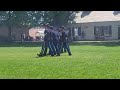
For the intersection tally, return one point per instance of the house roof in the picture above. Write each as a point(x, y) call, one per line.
point(97, 16)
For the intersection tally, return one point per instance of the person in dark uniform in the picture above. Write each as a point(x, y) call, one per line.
point(64, 40)
point(47, 42)
point(43, 44)
point(60, 41)
point(42, 51)
point(63, 49)
point(51, 40)
point(55, 36)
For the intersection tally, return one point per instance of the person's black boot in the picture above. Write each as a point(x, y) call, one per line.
point(52, 55)
point(39, 55)
point(58, 55)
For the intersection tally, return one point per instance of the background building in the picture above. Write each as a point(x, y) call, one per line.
point(97, 25)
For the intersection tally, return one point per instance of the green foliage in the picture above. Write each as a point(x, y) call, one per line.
point(36, 18)
point(20, 18)
point(30, 19)
point(58, 18)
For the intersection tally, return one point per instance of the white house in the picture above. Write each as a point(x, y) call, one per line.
point(96, 25)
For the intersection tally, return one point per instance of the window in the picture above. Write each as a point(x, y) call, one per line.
point(103, 30)
point(110, 30)
point(95, 32)
point(79, 31)
point(73, 33)
point(69, 31)
point(76, 31)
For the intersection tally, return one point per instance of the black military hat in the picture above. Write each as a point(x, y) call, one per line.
point(58, 29)
point(62, 27)
point(45, 25)
point(51, 27)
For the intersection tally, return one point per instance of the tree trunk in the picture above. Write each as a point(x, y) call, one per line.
point(9, 28)
point(9, 33)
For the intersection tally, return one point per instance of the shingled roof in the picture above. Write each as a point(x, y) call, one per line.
point(97, 16)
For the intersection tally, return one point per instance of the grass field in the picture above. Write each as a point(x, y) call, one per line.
point(88, 61)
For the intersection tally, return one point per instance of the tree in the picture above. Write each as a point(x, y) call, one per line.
point(85, 13)
point(6, 17)
point(58, 18)
point(20, 19)
point(30, 19)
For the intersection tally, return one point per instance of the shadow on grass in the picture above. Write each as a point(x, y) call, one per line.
point(38, 57)
point(39, 44)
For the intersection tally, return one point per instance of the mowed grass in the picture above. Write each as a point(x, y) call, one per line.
point(87, 62)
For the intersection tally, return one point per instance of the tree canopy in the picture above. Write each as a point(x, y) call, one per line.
point(36, 18)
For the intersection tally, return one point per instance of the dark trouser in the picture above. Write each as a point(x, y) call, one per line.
point(42, 50)
point(60, 47)
point(64, 49)
point(56, 45)
point(48, 45)
point(65, 44)
point(53, 48)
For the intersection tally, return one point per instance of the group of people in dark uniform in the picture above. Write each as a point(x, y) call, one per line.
point(56, 39)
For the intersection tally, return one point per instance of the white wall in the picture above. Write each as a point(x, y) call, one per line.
point(88, 28)
point(114, 28)
point(89, 31)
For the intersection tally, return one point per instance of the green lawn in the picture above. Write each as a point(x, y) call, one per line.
point(88, 61)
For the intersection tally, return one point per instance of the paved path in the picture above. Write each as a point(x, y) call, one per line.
point(100, 41)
